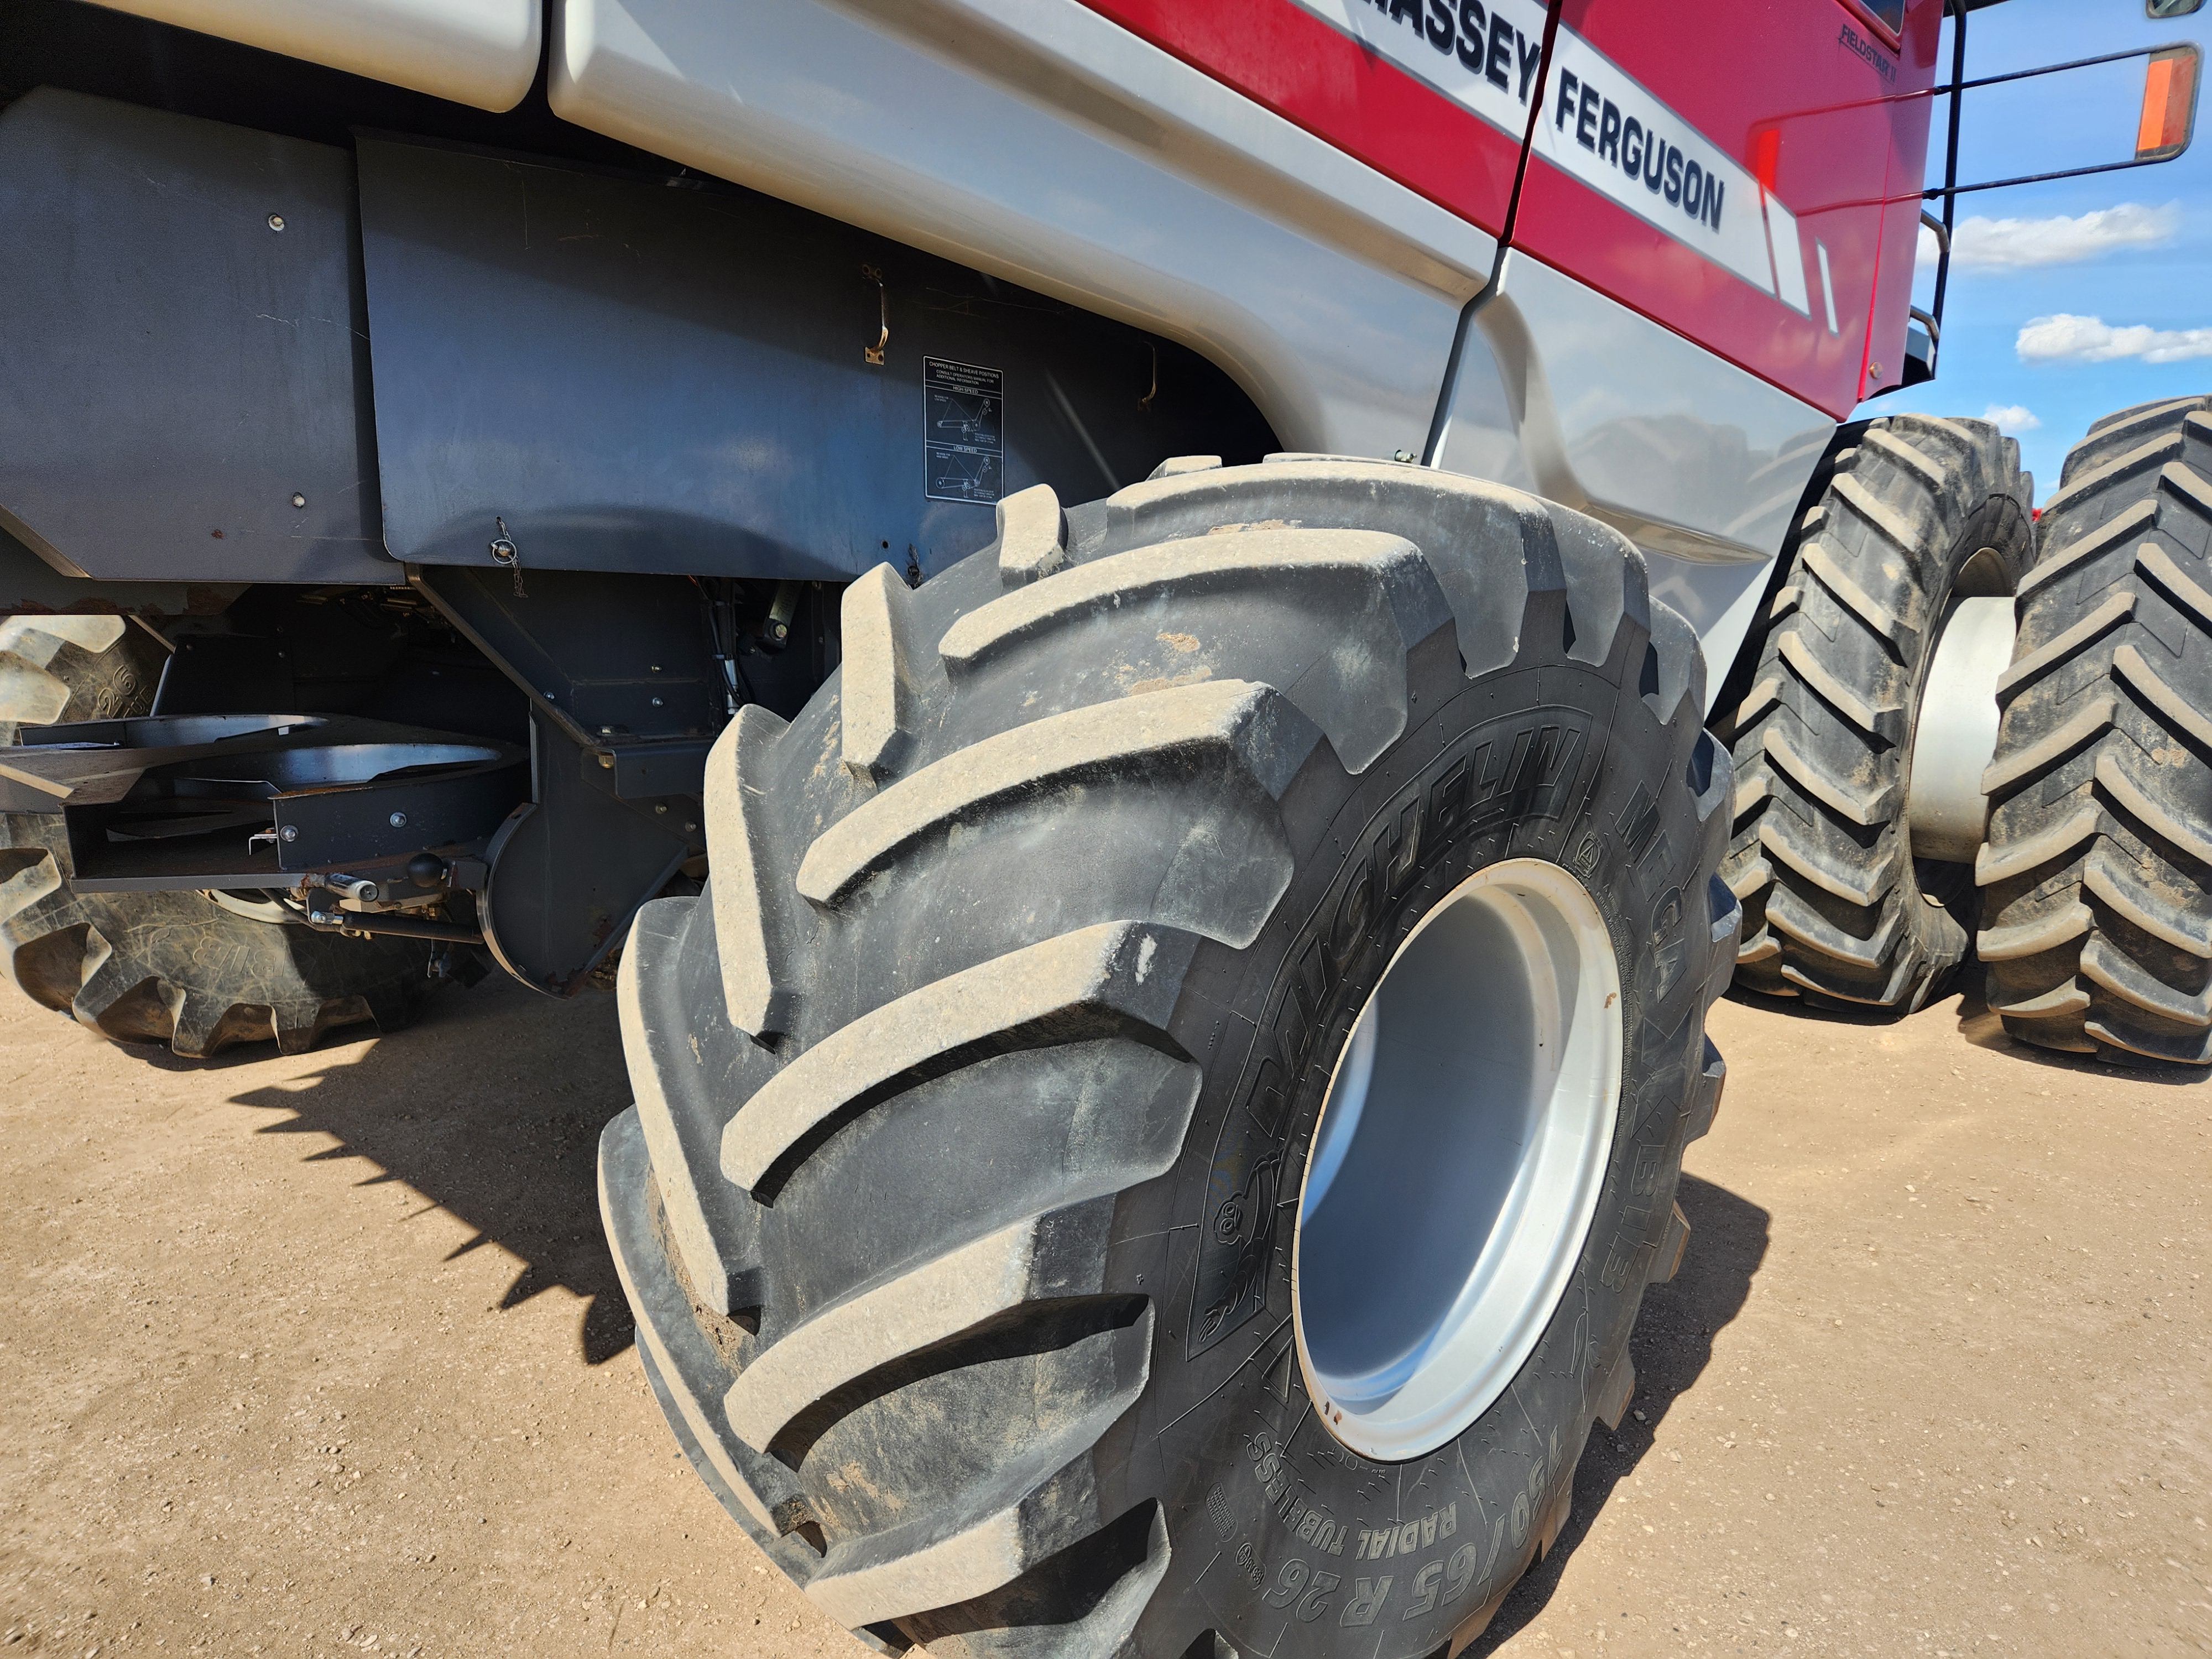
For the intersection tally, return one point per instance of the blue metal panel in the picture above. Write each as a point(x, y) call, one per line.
point(642, 375)
point(181, 349)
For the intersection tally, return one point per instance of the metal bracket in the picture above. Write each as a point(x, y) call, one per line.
point(506, 555)
point(874, 354)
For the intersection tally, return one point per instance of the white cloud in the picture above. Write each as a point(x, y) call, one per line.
point(1980, 244)
point(2012, 419)
point(2064, 338)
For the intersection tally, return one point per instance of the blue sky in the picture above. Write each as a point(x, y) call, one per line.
point(2130, 250)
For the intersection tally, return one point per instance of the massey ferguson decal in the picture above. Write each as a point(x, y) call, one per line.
point(1607, 131)
point(1601, 127)
point(1482, 57)
point(1704, 140)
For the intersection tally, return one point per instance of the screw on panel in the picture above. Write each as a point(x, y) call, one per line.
point(275, 221)
point(298, 499)
point(291, 832)
point(399, 820)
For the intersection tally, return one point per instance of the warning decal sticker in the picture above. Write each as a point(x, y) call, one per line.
point(963, 448)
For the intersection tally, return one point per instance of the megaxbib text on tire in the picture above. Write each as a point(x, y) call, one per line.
point(1910, 514)
point(975, 1098)
point(162, 967)
point(2096, 877)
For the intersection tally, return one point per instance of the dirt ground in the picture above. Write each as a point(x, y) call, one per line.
point(305, 1354)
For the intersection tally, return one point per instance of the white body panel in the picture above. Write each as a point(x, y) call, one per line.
point(1037, 140)
point(483, 52)
point(1565, 393)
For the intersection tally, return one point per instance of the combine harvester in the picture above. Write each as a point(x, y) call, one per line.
point(1175, 645)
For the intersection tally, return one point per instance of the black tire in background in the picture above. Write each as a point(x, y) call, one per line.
point(1915, 512)
point(165, 967)
point(973, 1094)
point(2097, 876)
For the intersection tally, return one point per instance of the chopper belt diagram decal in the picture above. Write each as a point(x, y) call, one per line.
point(962, 437)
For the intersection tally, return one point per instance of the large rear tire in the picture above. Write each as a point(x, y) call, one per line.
point(2096, 877)
point(1915, 513)
point(974, 1099)
point(174, 968)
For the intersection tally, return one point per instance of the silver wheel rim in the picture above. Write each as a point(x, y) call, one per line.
point(1457, 1160)
point(1955, 737)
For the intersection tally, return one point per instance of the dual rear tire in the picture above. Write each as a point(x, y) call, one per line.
point(2097, 878)
point(1911, 516)
point(2089, 902)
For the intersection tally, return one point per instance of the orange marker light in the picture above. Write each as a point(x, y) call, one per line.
point(2169, 105)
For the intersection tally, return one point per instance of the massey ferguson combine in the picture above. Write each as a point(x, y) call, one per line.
point(1165, 650)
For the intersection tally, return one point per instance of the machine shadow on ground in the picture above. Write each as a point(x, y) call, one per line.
point(1979, 1025)
point(490, 1106)
point(1672, 1344)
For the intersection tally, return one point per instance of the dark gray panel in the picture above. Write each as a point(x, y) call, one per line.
point(28, 583)
point(640, 375)
point(612, 659)
point(173, 371)
point(569, 871)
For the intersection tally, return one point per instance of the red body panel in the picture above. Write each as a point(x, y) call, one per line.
point(1810, 97)
point(1285, 58)
point(1846, 160)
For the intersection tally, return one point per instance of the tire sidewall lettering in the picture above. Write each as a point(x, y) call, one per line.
point(1581, 775)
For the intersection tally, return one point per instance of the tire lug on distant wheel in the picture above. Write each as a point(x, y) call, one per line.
point(1915, 524)
point(2096, 916)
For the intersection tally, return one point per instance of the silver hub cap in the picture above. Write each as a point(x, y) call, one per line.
point(1956, 736)
point(1458, 1160)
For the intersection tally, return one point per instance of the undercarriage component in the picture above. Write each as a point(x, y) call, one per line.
point(183, 801)
point(1846, 896)
point(2097, 879)
point(568, 869)
point(627, 678)
point(976, 1096)
point(196, 970)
